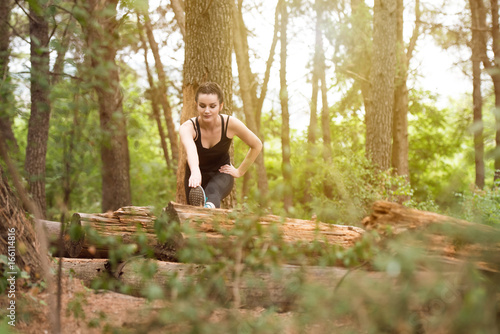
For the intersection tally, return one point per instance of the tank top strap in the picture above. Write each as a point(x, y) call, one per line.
point(227, 125)
point(196, 128)
point(222, 133)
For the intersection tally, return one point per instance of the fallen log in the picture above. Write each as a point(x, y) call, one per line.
point(211, 223)
point(251, 289)
point(443, 235)
point(123, 225)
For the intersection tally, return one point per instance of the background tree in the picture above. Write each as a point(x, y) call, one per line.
point(162, 88)
point(493, 69)
point(208, 49)
point(100, 26)
point(286, 166)
point(248, 91)
point(379, 107)
point(178, 8)
point(325, 110)
point(5, 81)
point(400, 119)
point(38, 126)
point(153, 96)
point(477, 45)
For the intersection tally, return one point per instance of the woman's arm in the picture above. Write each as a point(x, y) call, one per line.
point(237, 128)
point(187, 134)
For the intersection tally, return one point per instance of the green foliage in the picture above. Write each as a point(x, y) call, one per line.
point(436, 139)
point(480, 206)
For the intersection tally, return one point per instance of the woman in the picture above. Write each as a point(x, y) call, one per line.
point(207, 138)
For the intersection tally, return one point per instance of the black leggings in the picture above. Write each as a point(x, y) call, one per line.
point(217, 185)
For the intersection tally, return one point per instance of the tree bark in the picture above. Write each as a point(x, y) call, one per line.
point(162, 90)
point(379, 110)
point(400, 119)
point(122, 224)
point(208, 50)
point(17, 232)
point(477, 98)
point(5, 85)
point(38, 125)
point(211, 224)
point(491, 65)
point(102, 39)
point(286, 165)
point(495, 75)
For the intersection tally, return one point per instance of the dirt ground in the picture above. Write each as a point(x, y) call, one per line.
point(86, 311)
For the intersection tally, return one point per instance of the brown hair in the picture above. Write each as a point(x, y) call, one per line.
point(210, 88)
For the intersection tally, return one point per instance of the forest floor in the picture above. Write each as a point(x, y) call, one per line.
point(87, 311)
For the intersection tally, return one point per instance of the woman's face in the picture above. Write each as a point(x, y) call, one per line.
point(208, 107)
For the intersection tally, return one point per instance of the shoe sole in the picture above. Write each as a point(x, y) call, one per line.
point(197, 196)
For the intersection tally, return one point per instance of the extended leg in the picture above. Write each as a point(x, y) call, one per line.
point(218, 187)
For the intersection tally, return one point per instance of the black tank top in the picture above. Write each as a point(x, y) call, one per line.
point(211, 159)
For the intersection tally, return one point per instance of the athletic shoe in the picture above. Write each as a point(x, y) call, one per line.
point(210, 205)
point(197, 196)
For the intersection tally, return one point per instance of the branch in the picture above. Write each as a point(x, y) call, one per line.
point(415, 34)
point(177, 7)
point(62, 74)
point(25, 12)
point(269, 63)
point(17, 33)
point(355, 75)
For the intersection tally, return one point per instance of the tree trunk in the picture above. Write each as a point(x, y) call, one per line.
point(379, 110)
point(495, 75)
point(400, 119)
point(17, 233)
point(162, 90)
point(286, 165)
point(102, 39)
point(5, 86)
point(153, 96)
point(325, 111)
point(178, 8)
point(208, 50)
point(477, 98)
point(248, 90)
point(38, 125)
point(312, 131)
point(313, 118)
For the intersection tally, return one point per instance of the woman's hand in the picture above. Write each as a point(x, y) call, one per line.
point(195, 179)
point(229, 169)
